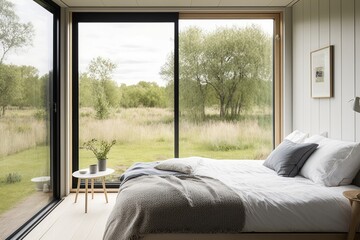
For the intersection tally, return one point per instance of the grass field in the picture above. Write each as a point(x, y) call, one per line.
point(146, 134)
point(29, 164)
point(142, 134)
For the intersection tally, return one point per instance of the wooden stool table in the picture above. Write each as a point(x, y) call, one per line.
point(91, 176)
point(355, 212)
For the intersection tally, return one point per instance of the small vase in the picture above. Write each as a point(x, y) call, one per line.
point(102, 164)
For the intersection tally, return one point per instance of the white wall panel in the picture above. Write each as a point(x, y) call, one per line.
point(314, 45)
point(347, 73)
point(335, 39)
point(324, 40)
point(357, 63)
point(298, 105)
point(316, 24)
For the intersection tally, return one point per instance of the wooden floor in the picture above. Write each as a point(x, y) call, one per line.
point(69, 220)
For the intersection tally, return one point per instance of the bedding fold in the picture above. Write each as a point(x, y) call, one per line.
point(174, 204)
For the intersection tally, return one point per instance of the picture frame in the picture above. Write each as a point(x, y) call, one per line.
point(322, 72)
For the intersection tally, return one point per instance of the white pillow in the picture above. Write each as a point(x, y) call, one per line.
point(334, 163)
point(183, 165)
point(297, 136)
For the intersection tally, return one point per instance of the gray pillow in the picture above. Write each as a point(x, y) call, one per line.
point(288, 158)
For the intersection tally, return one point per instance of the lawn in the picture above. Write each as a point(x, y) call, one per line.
point(142, 135)
point(28, 164)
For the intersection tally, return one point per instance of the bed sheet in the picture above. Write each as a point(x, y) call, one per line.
point(280, 204)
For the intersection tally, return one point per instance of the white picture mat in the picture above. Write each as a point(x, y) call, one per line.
point(321, 73)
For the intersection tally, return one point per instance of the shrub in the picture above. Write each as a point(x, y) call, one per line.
point(102, 107)
point(13, 178)
point(40, 114)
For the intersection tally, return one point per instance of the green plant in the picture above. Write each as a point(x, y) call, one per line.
point(13, 177)
point(100, 148)
point(40, 114)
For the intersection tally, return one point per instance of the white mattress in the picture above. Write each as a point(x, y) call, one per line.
point(281, 204)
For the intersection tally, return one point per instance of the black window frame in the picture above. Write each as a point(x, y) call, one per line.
point(111, 17)
point(54, 110)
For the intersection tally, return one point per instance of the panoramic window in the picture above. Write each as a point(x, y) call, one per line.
point(122, 96)
point(158, 90)
point(226, 88)
point(26, 75)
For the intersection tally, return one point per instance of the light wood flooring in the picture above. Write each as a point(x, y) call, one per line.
point(68, 221)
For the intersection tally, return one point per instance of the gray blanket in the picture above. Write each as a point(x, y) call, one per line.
point(143, 168)
point(174, 204)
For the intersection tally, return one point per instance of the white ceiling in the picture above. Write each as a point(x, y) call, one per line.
point(175, 3)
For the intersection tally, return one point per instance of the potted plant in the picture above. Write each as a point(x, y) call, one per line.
point(100, 148)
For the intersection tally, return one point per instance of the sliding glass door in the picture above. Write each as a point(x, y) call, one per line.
point(162, 87)
point(27, 120)
point(226, 88)
point(122, 96)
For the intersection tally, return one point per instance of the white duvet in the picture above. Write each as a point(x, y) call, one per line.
point(280, 204)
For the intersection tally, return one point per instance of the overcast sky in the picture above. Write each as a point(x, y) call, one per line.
point(141, 49)
point(138, 49)
point(37, 55)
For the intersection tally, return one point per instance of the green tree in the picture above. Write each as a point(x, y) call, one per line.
point(143, 94)
point(86, 91)
point(9, 86)
point(227, 64)
point(13, 33)
point(97, 89)
point(30, 87)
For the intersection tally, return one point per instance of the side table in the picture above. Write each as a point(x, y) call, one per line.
point(87, 176)
point(355, 212)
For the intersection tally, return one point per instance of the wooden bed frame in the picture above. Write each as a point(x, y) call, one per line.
point(251, 236)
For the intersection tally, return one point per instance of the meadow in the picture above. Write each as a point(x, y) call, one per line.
point(147, 134)
point(142, 135)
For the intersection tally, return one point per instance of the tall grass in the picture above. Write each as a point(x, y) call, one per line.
point(129, 125)
point(138, 125)
point(20, 130)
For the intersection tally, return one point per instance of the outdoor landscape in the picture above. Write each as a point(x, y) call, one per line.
point(225, 99)
point(225, 88)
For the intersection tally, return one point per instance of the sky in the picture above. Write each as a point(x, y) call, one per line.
point(138, 49)
point(37, 55)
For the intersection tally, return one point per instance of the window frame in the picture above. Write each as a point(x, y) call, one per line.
point(277, 57)
point(175, 17)
point(54, 109)
point(136, 17)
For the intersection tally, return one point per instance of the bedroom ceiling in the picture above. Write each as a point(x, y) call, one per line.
point(175, 3)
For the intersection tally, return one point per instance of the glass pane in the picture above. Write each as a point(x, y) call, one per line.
point(226, 88)
point(122, 95)
point(25, 74)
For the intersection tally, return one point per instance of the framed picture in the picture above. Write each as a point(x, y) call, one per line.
point(322, 73)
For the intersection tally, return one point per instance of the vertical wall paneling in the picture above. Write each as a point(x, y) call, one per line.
point(357, 64)
point(306, 63)
point(314, 45)
point(287, 73)
point(324, 40)
point(335, 39)
point(316, 24)
point(347, 74)
point(298, 77)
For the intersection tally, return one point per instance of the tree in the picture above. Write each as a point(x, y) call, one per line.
point(97, 89)
point(13, 34)
point(30, 86)
point(9, 86)
point(229, 64)
point(143, 94)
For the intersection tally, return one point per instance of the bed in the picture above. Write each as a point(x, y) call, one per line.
point(274, 206)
